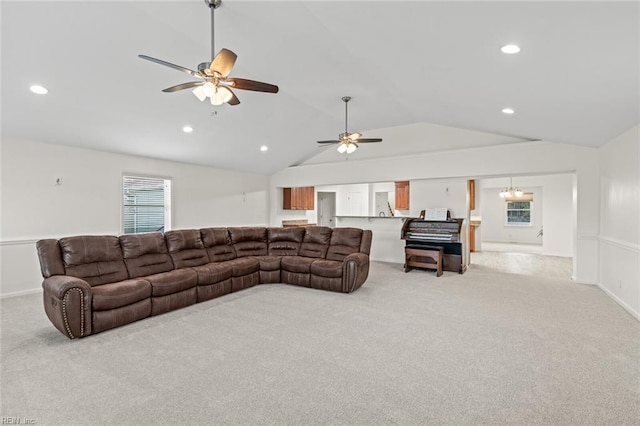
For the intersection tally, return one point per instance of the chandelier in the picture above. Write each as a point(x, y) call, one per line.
point(511, 192)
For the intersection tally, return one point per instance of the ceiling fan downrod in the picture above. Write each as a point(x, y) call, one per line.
point(213, 5)
point(346, 100)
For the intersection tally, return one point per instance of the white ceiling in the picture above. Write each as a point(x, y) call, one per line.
point(404, 64)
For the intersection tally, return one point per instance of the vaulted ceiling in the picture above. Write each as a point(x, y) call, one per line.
point(406, 64)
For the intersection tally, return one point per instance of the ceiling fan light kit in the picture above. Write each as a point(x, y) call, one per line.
point(349, 142)
point(215, 82)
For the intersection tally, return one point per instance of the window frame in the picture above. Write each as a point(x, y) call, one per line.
point(167, 204)
point(518, 224)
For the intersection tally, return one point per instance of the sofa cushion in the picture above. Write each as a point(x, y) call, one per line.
point(344, 241)
point(269, 263)
point(172, 281)
point(145, 254)
point(50, 257)
point(285, 241)
point(316, 241)
point(244, 266)
point(296, 264)
point(213, 273)
point(123, 293)
point(96, 259)
point(186, 248)
point(249, 241)
point(326, 268)
point(217, 241)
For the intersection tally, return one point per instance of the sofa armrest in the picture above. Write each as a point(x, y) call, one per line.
point(67, 302)
point(355, 271)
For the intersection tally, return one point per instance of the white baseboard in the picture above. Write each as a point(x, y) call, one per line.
point(20, 293)
point(626, 307)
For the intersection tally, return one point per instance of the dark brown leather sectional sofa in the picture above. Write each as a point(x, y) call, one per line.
point(94, 283)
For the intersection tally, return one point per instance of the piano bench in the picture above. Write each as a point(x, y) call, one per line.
point(428, 257)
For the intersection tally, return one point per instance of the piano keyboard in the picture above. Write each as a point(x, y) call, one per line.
point(425, 236)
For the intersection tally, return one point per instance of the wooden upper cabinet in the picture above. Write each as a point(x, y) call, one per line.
point(300, 198)
point(402, 195)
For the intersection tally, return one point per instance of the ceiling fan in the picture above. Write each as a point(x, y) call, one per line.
point(214, 81)
point(349, 142)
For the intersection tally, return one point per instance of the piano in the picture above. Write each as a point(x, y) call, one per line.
point(435, 244)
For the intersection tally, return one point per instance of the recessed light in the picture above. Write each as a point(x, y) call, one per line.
point(510, 49)
point(508, 111)
point(264, 148)
point(187, 129)
point(37, 89)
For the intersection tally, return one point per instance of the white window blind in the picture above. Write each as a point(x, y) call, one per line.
point(146, 204)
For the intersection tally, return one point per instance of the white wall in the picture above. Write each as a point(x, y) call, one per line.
point(557, 217)
point(89, 199)
point(620, 220)
point(527, 158)
point(430, 193)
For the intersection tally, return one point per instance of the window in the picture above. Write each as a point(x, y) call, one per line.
point(519, 213)
point(146, 204)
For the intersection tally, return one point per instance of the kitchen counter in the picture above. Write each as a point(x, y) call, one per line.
point(374, 217)
point(386, 245)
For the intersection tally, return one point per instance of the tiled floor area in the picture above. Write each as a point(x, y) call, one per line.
point(521, 259)
point(512, 247)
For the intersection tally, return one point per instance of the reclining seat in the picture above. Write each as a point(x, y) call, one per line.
point(280, 242)
point(248, 242)
point(115, 299)
point(332, 273)
point(146, 255)
point(297, 269)
point(214, 279)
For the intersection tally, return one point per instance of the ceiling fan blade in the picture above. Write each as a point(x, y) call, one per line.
point(369, 140)
point(329, 142)
point(170, 65)
point(234, 99)
point(183, 86)
point(223, 62)
point(257, 86)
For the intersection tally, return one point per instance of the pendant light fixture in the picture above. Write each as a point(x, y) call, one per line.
point(511, 192)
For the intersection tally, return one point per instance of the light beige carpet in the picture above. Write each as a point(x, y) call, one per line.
point(478, 348)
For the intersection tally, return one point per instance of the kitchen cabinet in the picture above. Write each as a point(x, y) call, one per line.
point(402, 195)
point(299, 198)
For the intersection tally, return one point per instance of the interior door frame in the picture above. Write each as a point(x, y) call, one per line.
point(322, 197)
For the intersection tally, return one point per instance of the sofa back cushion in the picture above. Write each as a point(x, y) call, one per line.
point(365, 244)
point(344, 241)
point(145, 254)
point(218, 244)
point(95, 259)
point(186, 248)
point(50, 257)
point(249, 241)
point(285, 241)
point(316, 241)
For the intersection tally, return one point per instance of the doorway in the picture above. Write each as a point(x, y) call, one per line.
point(326, 209)
point(382, 205)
